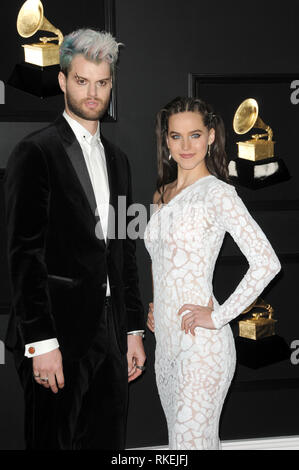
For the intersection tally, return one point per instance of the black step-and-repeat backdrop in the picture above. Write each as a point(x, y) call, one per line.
point(159, 62)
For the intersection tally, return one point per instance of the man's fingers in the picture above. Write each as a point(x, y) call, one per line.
point(60, 378)
point(131, 370)
point(131, 373)
point(36, 375)
point(134, 376)
point(136, 373)
point(52, 382)
point(131, 366)
point(38, 380)
point(43, 376)
point(46, 367)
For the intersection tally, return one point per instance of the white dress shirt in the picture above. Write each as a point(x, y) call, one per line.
point(95, 159)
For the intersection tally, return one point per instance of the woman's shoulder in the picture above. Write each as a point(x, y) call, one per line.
point(220, 197)
point(157, 196)
point(161, 192)
point(219, 187)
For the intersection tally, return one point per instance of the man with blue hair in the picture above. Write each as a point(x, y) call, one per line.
point(77, 321)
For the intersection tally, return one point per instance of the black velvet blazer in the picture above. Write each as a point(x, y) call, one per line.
point(58, 262)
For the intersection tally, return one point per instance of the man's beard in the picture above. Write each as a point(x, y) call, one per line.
point(78, 110)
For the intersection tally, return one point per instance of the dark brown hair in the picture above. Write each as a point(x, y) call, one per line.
point(216, 163)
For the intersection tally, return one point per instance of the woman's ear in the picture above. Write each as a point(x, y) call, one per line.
point(211, 136)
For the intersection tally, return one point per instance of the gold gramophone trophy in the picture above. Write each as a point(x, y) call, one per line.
point(259, 324)
point(246, 118)
point(30, 20)
point(37, 75)
point(257, 344)
point(256, 165)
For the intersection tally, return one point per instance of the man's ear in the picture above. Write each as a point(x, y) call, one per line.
point(62, 81)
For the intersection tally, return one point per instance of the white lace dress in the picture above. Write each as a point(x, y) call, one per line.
point(184, 238)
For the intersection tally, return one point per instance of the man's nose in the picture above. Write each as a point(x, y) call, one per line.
point(92, 90)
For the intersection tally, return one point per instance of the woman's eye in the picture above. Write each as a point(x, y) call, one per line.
point(195, 136)
point(175, 137)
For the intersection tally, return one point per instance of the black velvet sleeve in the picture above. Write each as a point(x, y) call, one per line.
point(27, 198)
point(134, 307)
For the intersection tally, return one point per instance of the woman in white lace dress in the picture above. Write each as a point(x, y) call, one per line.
point(195, 205)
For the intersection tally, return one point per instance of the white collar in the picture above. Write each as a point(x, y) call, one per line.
point(80, 132)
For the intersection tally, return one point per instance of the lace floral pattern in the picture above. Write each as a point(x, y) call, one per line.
point(184, 238)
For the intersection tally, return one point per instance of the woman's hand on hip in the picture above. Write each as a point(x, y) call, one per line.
point(198, 316)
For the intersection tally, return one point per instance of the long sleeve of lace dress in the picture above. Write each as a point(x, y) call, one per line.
point(228, 212)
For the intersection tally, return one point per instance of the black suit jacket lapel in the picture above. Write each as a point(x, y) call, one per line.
point(113, 203)
point(75, 154)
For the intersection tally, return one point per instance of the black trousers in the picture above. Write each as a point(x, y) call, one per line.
point(90, 412)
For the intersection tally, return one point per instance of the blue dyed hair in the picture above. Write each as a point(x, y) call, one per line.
point(95, 45)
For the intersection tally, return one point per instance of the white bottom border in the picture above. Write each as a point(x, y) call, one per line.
point(265, 443)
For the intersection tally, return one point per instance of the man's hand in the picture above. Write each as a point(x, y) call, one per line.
point(136, 356)
point(49, 366)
